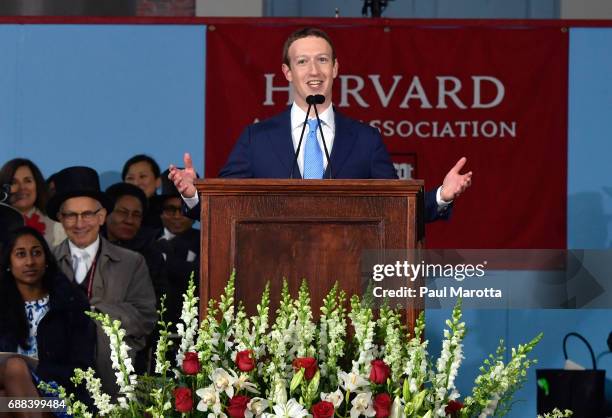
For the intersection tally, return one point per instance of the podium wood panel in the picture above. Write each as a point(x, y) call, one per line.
point(299, 229)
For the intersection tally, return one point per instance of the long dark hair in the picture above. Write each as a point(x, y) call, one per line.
point(7, 172)
point(12, 310)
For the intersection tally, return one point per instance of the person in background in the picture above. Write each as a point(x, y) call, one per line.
point(143, 171)
point(28, 194)
point(123, 228)
point(180, 244)
point(42, 315)
point(115, 280)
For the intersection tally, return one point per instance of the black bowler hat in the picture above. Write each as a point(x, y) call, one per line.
point(119, 190)
point(76, 182)
point(10, 219)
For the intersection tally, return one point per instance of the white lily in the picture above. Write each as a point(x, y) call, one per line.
point(256, 407)
point(352, 381)
point(210, 400)
point(362, 405)
point(336, 398)
point(292, 409)
point(223, 381)
point(242, 382)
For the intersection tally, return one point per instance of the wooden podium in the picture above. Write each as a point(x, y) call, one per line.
point(314, 229)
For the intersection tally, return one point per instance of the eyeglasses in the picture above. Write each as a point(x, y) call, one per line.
point(172, 210)
point(124, 214)
point(87, 216)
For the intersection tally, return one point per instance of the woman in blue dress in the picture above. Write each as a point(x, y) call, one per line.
point(42, 315)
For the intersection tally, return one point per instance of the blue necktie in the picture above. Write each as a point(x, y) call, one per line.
point(313, 158)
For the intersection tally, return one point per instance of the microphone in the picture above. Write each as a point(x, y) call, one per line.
point(315, 99)
point(309, 100)
point(320, 99)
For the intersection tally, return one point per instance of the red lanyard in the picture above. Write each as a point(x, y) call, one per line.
point(90, 274)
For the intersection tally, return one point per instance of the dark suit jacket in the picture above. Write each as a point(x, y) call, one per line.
point(265, 150)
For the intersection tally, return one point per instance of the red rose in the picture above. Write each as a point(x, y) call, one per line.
point(309, 365)
point(382, 405)
point(237, 406)
point(379, 372)
point(183, 402)
point(322, 409)
point(245, 360)
point(453, 407)
point(191, 363)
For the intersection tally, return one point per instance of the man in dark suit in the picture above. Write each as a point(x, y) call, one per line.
point(267, 149)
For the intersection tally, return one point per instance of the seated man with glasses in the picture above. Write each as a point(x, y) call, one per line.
point(180, 244)
point(115, 280)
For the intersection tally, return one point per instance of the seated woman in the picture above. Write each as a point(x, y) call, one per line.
point(29, 196)
point(42, 315)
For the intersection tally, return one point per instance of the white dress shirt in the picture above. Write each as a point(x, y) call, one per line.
point(91, 251)
point(329, 130)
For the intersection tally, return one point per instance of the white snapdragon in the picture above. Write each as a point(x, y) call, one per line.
point(121, 361)
point(362, 405)
point(361, 319)
point(189, 326)
point(102, 401)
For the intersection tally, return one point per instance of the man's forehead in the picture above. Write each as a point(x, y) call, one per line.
point(129, 201)
point(81, 203)
point(310, 45)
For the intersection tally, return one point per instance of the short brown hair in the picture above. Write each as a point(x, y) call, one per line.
point(304, 33)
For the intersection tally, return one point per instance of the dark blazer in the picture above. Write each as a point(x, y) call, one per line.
point(265, 150)
point(66, 337)
point(176, 252)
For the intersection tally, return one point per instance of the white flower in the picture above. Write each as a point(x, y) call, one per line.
point(243, 383)
point(291, 409)
point(255, 407)
point(335, 398)
point(210, 400)
point(279, 396)
point(223, 382)
point(397, 408)
point(362, 405)
point(352, 381)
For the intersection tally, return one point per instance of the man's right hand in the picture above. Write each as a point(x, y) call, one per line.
point(183, 179)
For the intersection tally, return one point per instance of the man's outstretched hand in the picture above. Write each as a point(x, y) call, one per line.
point(183, 178)
point(455, 183)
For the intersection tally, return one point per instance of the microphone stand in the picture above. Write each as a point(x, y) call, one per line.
point(329, 167)
point(297, 152)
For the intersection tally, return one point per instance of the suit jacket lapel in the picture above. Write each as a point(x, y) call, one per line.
point(282, 142)
point(344, 139)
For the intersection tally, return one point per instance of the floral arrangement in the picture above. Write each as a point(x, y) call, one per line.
point(349, 363)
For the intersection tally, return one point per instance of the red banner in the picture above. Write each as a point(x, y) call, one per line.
point(495, 95)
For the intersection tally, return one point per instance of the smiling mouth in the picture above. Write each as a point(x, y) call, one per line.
point(314, 83)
